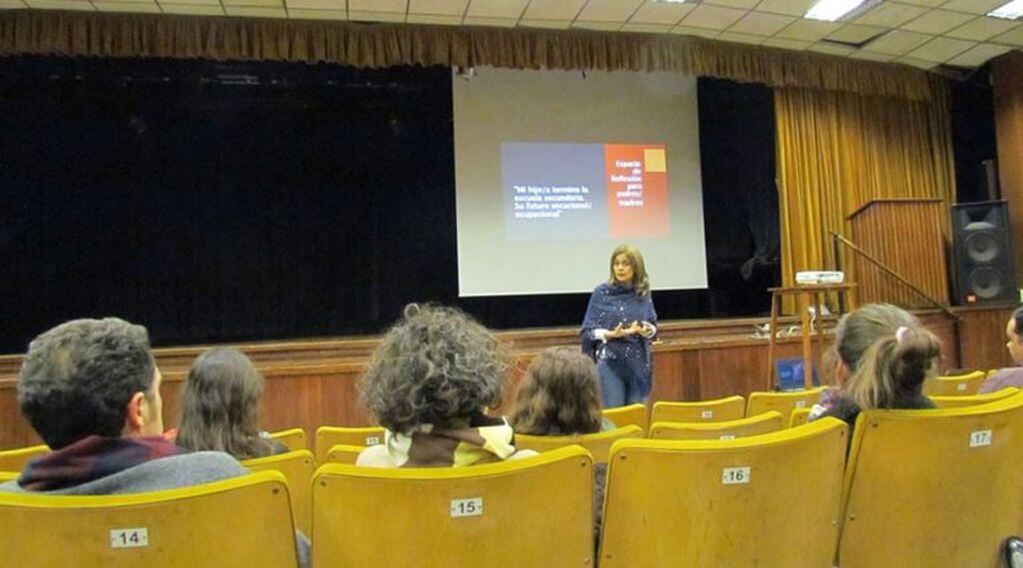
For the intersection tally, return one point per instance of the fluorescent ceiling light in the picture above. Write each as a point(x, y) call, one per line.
point(1011, 11)
point(831, 10)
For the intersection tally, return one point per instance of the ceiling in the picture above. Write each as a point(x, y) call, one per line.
point(922, 33)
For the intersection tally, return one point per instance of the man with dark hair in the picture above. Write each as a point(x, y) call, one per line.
point(1010, 376)
point(91, 390)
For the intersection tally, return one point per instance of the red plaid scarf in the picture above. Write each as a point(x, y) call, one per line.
point(92, 458)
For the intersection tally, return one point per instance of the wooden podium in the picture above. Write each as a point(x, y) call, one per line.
point(909, 236)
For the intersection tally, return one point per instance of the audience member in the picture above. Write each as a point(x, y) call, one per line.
point(428, 384)
point(560, 396)
point(1009, 376)
point(884, 355)
point(220, 407)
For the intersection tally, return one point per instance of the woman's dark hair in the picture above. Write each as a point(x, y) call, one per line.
point(560, 395)
point(220, 406)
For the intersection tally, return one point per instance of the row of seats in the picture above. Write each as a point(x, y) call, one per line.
point(934, 487)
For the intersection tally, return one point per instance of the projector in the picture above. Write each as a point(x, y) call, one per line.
point(820, 277)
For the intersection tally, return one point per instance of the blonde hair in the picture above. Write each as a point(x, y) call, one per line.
point(899, 355)
point(640, 279)
point(560, 395)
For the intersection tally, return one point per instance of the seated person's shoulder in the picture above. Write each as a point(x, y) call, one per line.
point(375, 456)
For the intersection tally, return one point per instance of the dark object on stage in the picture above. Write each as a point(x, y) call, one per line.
point(983, 254)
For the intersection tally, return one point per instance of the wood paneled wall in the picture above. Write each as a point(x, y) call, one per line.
point(907, 235)
point(313, 383)
point(1007, 74)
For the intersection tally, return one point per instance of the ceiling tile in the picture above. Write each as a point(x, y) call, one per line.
point(808, 30)
point(698, 32)
point(445, 7)
point(250, 12)
point(831, 49)
point(493, 22)
point(940, 49)
point(135, 7)
point(434, 19)
point(761, 24)
point(743, 4)
point(601, 26)
point(927, 65)
point(316, 5)
point(12, 4)
point(193, 9)
point(786, 43)
point(192, 3)
point(979, 55)
point(378, 6)
point(855, 33)
point(1015, 37)
point(897, 42)
point(741, 38)
point(661, 13)
point(929, 3)
point(983, 28)
point(647, 28)
point(937, 21)
point(871, 56)
point(61, 5)
point(553, 10)
point(890, 15)
point(253, 3)
point(302, 14)
point(789, 7)
point(974, 6)
point(608, 10)
point(368, 16)
point(547, 24)
point(496, 8)
point(713, 17)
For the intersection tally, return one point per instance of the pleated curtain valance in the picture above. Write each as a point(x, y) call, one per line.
point(42, 32)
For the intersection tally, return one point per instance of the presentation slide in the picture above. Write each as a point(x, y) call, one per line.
point(554, 169)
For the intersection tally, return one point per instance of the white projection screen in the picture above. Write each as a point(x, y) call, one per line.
point(553, 169)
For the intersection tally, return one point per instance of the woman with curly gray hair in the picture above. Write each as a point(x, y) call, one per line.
point(428, 384)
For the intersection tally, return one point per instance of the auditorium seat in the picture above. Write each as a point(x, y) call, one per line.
point(937, 487)
point(972, 399)
point(8, 475)
point(782, 401)
point(294, 438)
point(769, 421)
point(631, 415)
point(344, 453)
point(799, 417)
point(718, 410)
point(767, 500)
point(16, 459)
point(329, 436)
point(534, 511)
point(955, 385)
point(598, 444)
point(244, 521)
point(298, 468)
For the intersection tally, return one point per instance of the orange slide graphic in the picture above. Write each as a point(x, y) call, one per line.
point(637, 190)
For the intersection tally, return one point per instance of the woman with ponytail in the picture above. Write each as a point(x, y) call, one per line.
point(884, 355)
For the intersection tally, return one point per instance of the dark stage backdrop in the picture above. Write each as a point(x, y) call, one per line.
point(223, 202)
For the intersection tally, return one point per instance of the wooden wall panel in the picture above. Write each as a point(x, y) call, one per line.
point(1007, 75)
point(698, 361)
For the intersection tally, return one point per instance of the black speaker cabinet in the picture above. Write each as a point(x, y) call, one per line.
point(983, 253)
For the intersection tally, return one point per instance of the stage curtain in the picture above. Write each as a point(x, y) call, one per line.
point(42, 32)
point(837, 151)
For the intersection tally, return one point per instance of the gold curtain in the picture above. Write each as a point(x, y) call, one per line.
point(384, 45)
point(838, 151)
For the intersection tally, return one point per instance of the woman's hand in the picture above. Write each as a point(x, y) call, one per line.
point(620, 331)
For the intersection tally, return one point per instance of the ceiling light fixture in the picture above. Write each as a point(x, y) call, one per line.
point(831, 10)
point(1011, 11)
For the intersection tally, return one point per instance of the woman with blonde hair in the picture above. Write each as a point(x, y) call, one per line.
point(428, 384)
point(619, 325)
point(884, 356)
point(220, 407)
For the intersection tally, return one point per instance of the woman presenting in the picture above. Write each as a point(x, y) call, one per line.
point(620, 322)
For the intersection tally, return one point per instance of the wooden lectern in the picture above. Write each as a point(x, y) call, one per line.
point(907, 235)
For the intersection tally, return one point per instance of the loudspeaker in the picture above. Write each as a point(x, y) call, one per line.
point(983, 253)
